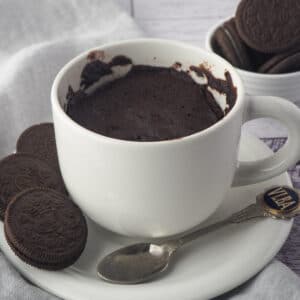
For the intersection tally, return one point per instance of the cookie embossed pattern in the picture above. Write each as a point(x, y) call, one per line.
point(39, 140)
point(21, 171)
point(269, 26)
point(54, 227)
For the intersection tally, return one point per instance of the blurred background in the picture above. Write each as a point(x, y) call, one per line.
point(185, 20)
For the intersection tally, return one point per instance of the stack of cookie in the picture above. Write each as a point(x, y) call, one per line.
point(42, 225)
point(264, 36)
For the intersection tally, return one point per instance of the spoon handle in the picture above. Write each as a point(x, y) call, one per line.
point(250, 212)
point(278, 202)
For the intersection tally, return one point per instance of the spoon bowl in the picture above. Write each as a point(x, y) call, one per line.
point(136, 263)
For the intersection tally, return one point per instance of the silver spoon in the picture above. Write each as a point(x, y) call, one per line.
point(143, 261)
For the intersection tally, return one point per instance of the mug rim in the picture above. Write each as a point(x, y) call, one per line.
point(208, 46)
point(57, 107)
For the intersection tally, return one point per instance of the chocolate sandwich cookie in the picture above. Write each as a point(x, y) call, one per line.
point(39, 140)
point(21, 171)
point(269, 26)
point(228, 44)
point(258, 58)
point(2, 208)
point(45, 229)
point(282, 63)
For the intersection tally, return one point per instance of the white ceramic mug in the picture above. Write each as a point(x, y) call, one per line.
point(154, 189)
point(280, 85)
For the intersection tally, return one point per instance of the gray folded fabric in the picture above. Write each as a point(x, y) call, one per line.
point(275, 282)
point(36, 39)
point(14, 287)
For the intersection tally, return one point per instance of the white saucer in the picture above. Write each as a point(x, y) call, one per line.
point(207, 268)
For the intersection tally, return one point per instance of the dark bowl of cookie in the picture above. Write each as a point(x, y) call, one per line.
point(262, 41)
